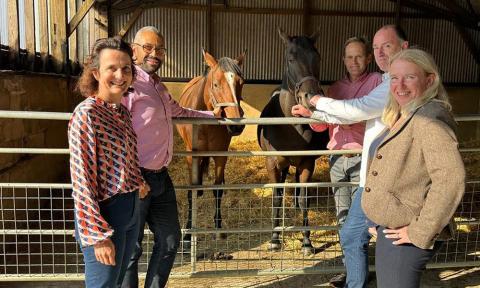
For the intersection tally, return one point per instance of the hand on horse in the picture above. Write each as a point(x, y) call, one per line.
point(298, 110)
point(315, 99)
point(143, 190)
point(105, 252)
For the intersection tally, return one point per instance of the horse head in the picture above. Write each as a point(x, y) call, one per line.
point(302, 67)
point(224, 88)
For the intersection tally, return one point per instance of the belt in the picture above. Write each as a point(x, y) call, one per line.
point(350, 155)
point(154, 170)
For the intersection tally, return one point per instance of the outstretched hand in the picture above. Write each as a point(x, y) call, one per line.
point(298, 110)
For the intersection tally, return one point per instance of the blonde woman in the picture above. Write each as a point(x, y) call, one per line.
point(416, 175)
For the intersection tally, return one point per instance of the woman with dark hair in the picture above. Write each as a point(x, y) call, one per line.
point(104, 165)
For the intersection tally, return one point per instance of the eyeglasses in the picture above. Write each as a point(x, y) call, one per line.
point(148, 48)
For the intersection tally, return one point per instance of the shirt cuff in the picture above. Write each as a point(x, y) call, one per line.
point(322, 102)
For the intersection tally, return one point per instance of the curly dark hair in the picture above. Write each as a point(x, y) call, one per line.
point(87, 84)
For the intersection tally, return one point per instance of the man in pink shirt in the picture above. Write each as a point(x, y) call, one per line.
point(346, 167)
point(152, 108)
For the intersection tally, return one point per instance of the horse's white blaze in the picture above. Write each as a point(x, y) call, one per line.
point(230, 76)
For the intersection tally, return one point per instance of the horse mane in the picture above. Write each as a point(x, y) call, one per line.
point(229, 65)
point(194, 90)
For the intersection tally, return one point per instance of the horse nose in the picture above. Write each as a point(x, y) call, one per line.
point(235, 130)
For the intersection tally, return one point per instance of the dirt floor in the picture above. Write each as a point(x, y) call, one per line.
point(454, 278)
point(468, 277)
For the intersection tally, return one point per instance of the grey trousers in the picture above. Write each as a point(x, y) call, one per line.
point(344, 169)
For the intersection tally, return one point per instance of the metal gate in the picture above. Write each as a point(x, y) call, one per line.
point(36, 225)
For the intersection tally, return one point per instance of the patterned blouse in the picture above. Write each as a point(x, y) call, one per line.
point(103, 163)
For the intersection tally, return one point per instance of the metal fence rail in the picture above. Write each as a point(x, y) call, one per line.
point(36, 232)
point(36, 225)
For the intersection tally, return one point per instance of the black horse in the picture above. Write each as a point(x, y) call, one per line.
point(300, 83)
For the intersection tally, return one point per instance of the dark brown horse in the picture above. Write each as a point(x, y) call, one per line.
point(220, 86)
point(299, 84)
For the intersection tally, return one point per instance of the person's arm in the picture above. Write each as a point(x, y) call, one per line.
point(447, 172)
point(92, 227)
point(358, 109)
point(327, 118)
point(179, 111)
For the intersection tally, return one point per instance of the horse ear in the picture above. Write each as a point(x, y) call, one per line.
point(283, 35)
point(211, 61)
point(315, 35)
point(240, 58)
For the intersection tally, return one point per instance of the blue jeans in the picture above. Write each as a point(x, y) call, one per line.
point(159, 210)
point(121, 212)
point(354, 238)
point(344, 169)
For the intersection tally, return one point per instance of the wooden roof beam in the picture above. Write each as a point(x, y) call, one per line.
point(136, 14)
point(471, 45)
point(72, 25)
point(464, 20)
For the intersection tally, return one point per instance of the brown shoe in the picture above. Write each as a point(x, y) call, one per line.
point(338, 280)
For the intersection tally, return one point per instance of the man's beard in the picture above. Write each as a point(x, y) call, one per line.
point(149, 68)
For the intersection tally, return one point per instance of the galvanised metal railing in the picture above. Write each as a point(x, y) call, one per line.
point(37, 222)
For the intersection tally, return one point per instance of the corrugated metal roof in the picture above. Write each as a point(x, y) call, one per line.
point(186, 32)
point(258, 34)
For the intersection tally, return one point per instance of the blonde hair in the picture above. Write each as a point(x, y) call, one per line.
point(435, 92)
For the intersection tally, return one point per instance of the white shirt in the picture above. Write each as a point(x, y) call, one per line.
point(366, 108)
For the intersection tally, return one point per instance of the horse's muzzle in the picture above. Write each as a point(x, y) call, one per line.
point(235, 130)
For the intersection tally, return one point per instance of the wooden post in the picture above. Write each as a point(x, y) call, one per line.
point(91, 29)
point(13, 31)
point(77, 18)
point(43, 30)
point(30, 33)
point(58, 33)
point(101, 20)
point(72, 40)
point(138, 11)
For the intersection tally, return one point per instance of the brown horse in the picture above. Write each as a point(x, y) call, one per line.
point(219, 87)
point(299, 84)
